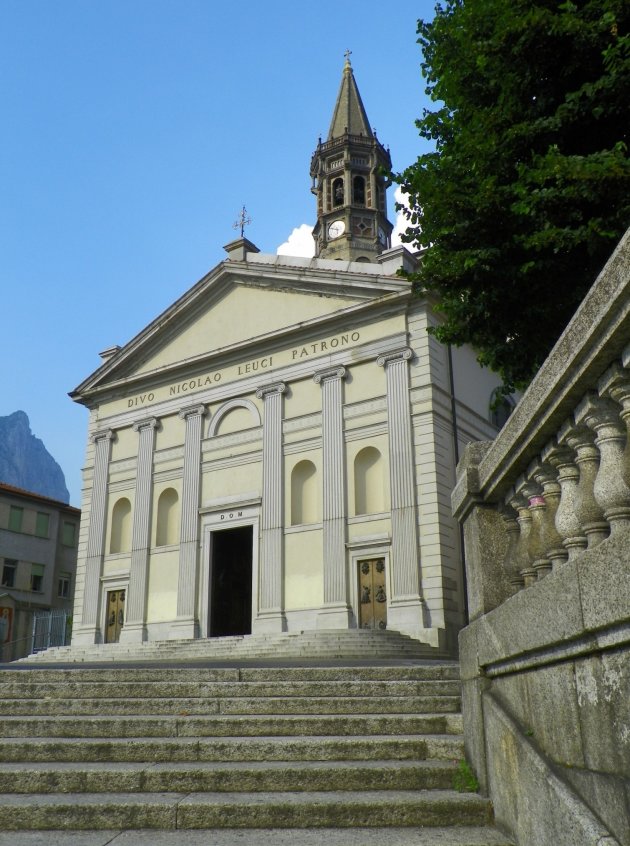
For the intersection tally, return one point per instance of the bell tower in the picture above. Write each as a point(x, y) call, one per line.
point(349, 180)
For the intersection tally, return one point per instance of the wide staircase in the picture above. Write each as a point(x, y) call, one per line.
point(190, 755)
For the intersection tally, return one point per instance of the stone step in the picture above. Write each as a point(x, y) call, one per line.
point(225, 776)
point(227, 726)
point(355, 643)
point(112, 689)
point(242, 810)
point(242, 705)
point(445, 747)
point(375, 836)
point(424, 672)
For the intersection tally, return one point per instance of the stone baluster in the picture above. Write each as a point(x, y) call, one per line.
point(568, 526)
point(271, 616)
point(186, 624)
point(88, 632)
point(510, 563)
point(532, 493)
point(615, 383)
point(555, 553)
point(521, 562)
point(581, 440)
point(612, 493)
point(336, 611)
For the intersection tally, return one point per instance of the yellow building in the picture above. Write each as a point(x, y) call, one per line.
point(276, 451)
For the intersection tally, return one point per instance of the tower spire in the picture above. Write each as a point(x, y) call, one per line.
point(349, 182)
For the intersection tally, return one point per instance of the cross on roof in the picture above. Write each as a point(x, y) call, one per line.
point(242, 221)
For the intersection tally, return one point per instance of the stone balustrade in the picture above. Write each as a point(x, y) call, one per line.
point(558, 475)
point(545, 658)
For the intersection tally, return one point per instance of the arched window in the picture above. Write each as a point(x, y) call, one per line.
point(500, 408)
point(368, 482)
point(358, 191)
point(304, 493)
point(167, 518)
point(120, 535)
point(337, 192)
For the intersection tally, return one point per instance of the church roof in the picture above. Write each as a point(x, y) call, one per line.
point(349, 114)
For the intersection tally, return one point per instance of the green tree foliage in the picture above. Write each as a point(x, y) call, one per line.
point(528, 188)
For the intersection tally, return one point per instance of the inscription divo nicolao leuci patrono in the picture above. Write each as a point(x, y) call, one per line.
point(247, 368)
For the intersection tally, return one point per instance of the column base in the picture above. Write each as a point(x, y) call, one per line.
point(184, 629)
point(335, 617)
point(133, 633)
point(270, 622)
point(407, 616)
point(87, 636)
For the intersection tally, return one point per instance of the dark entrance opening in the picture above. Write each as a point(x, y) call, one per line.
point(231, 588)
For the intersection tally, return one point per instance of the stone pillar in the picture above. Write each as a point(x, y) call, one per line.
point(88, 631)
point(134, 629)
point(554, 552)
point(186, 625)
point(523, 565)
point(405, 607)
point(270, 616)
point(336, 613)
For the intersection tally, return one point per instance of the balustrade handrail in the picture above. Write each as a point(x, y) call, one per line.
point(594, 338)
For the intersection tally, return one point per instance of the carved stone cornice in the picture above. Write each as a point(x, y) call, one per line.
point(403, 354)
point(329, 373)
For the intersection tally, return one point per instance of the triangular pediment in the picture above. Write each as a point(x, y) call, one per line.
point(232, 307)
point(242, 314)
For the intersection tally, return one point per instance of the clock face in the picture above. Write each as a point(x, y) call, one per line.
point(336, 228)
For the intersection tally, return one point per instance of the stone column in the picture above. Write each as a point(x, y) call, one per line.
point(88, 631)
point(134, 629)
point(186, 625)
point(405, 607)
point(336, 612)
point(270, 616)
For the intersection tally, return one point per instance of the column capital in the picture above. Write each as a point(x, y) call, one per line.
point(104, 435)
point(403, 354)
point(330, 373)
point(190, 410)
point(267, 390)
point(146, 423)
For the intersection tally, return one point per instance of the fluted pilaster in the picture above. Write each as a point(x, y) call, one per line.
point(336, 611)
point(186, 624)
point(271, 570)
point(96, 536)
point(134, 628)
point(405, 575)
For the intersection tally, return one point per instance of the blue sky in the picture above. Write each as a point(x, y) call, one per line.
point(133, 131)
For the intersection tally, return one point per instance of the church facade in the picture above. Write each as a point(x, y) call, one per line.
point(276, 451)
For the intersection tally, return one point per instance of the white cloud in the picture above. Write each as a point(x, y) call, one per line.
point(299, 243)
point(401, 223)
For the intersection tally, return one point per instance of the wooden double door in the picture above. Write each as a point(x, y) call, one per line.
point(115, 615)
point(372, 594)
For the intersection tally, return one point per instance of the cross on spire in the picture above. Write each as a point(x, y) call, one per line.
point(347, 54)
point(242, 221)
